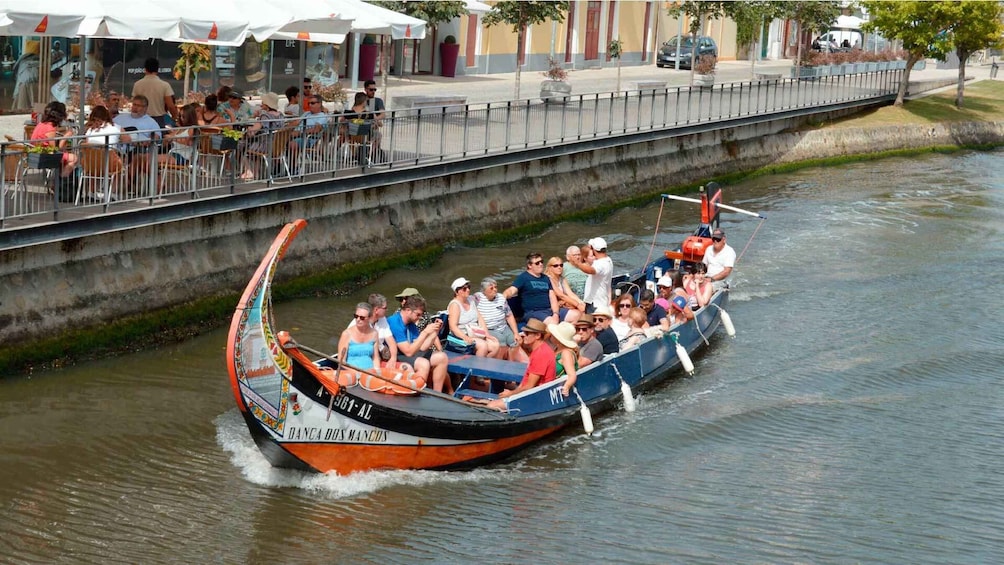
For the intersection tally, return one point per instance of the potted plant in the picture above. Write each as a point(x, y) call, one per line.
point(334, 93)
point(449, 52)
point(704, 71)
point(555, 85)
point(368, 53)
point(44, 157)
point(227, 140)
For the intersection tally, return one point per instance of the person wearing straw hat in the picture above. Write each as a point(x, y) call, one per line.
point(590, 348)
point(604, 333)
point(566, 356)
point(542, 367)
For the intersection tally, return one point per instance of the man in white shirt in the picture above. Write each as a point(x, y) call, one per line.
point(720, 258)
point(599, 275)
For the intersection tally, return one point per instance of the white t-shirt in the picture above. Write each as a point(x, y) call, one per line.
point(109, 131)
point(381, 326)
point(598, 289)
point(717, 262)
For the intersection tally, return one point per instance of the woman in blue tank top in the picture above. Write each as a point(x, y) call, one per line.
point(359, 341)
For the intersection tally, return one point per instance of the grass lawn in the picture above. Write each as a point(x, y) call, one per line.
point(982, 102)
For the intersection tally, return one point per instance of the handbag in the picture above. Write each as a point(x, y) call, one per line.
point(384, 351)
point(457, 345)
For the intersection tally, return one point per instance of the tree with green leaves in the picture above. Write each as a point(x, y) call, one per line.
point(975, 25)
point(697, 11)
point(922, 28)
point(810, 15)
point(521, 15)
point(194, 58)
point(750, 16)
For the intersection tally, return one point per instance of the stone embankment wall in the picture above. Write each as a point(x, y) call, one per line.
point(88, 281)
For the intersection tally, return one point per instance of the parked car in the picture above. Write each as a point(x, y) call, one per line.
point(668, 55)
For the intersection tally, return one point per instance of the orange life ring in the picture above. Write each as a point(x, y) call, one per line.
point(395, 380)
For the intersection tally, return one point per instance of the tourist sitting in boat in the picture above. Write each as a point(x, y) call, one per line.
point(575, 277)
point(679, 311)
point(719, 258)
point(698, 288)
point(621, 324)
point(534, 290)
point(499, 320)
point(590, 348)
point(603, 316)
point(359, 350)
point(378, 319)
point(468, 332)
point(420, 347)
point(665, 287)
point(654, 314)
point(541, 368)
point(636, 332)
point(570, 306)
point(566, 353)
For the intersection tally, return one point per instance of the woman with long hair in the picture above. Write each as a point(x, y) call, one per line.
point(571, 307)
point(209, 115)
point(182, 138)
point(46, 134)
point(621, 324)
point(101, 130)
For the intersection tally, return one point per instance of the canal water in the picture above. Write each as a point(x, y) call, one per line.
point(856, 417)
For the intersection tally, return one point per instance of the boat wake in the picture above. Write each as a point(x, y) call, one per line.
point(232, 436)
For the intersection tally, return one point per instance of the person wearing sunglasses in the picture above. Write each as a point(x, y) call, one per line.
point(376, 107)
point(719, 259)
point(590, 348)
point(621, 324)
point(570, 306)
point(535, 293)
point(468, 332)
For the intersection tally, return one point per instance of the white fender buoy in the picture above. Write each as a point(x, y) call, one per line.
point(688, 365)
point(650, 285)
point(727, 322)
point(587, 420)
point(629, 404)
point(658, 273)
point(587, 417)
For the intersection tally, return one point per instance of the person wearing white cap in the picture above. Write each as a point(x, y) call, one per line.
point(468, 332)
point(599, 279)
point(665, 287)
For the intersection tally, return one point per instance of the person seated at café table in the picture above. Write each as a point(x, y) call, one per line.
point(237, 110)
point(269, 120)
point(467, 326)
point(46, 134)
point(101, 130)
point(143, 131)
point(293, 108)
point(542, 367)
point(209, 114)
point(310, 127)
point(182, 138)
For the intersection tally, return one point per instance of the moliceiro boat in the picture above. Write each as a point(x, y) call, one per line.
point(305, 414)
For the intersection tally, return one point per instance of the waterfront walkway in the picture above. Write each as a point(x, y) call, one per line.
point(501, 127)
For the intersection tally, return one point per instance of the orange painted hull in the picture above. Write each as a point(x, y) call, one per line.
point(350, 458)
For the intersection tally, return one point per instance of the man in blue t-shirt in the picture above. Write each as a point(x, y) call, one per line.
point(655, 314)
point(535, 292)
point(420, 348)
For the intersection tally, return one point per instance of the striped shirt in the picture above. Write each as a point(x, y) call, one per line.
point(494, 312)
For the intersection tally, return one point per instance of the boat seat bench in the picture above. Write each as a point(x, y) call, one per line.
point(494, 369)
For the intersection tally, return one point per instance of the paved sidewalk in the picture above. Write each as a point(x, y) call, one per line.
point(500, 87)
